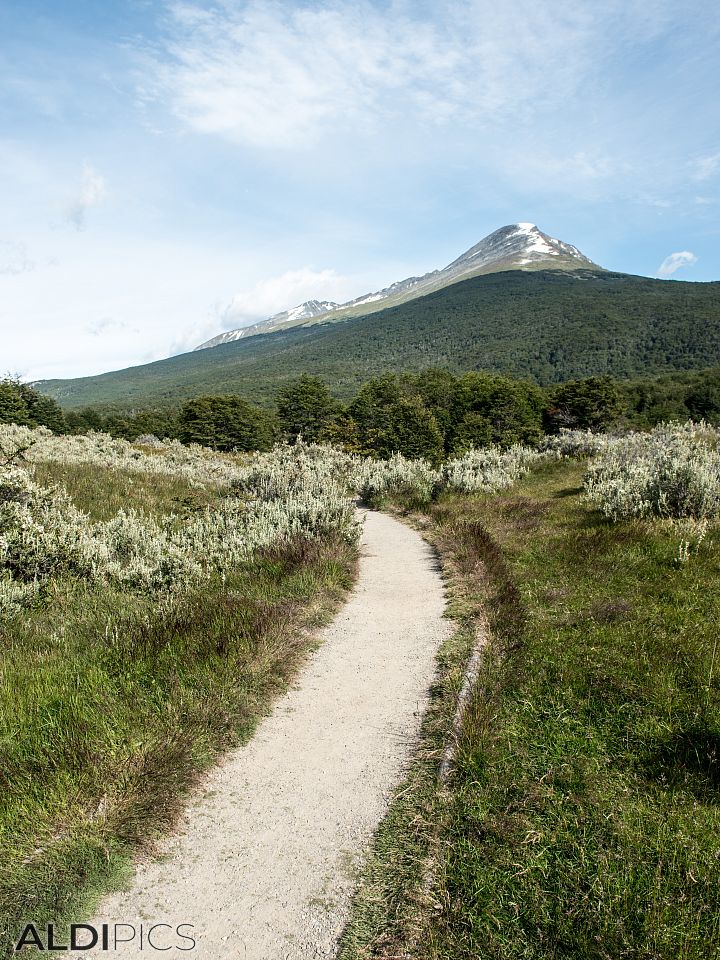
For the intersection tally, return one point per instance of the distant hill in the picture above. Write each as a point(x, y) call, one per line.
point(546, 325)
point(519, 246)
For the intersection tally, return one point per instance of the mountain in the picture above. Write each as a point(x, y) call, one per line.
point(306, 311)
point(520, 246)
point(544, 325)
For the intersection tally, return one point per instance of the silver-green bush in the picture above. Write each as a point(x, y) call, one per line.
point(289, 493)
point(673, 471)
point(488, 469)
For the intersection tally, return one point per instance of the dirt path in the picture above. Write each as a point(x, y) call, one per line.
point(263, 864)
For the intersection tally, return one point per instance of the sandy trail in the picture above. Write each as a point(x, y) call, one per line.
point(263, 863)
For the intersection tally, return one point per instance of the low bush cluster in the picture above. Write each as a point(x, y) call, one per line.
point(673, 471)
point(575, 443)
point(198, 465)
point(415, 480)
point(490, 469)
point(483, 470)
point(294, 492)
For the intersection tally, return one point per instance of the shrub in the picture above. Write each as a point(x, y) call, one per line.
point(490, 468)
point(575, 443)
point(673, 471)
point(291, 493)
point(414, 480)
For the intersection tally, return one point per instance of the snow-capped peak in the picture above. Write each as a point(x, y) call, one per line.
point(304, 311)
point(518, 246)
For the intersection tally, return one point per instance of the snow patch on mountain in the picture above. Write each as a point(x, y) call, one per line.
point(304, 311)
point(517, 246)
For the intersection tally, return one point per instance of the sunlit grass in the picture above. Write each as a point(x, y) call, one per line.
point(583, 819)
point(114, 697)
point(101, 491)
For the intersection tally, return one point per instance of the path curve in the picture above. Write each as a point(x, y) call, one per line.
point(264, 860)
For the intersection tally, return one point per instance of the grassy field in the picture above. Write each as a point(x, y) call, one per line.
point(582, 818)
point(114, 700)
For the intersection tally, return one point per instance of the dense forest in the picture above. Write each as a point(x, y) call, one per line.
point(432, 414)
point(546, 326)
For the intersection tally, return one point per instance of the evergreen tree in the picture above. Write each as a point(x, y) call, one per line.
point(22, 404)
point(592, 403)
point(703, 399)
point(306, 408)
point(488, 408)
point(436, 388)
point(226, 423)
point(13, 408)
point(389, 421)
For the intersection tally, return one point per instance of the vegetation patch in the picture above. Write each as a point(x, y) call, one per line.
point(581, 820)
point(118, 690)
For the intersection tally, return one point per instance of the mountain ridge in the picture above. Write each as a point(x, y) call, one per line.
point(518, 246)
point(544, 325)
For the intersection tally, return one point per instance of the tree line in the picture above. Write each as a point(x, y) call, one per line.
point(433, 414)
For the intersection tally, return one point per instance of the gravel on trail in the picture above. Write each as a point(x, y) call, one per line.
point(264, 862)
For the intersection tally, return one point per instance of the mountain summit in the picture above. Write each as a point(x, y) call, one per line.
point(519, 246)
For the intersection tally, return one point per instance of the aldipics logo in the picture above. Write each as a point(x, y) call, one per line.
point(109, 936)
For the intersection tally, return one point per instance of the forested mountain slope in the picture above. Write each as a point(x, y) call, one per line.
point(547, 326)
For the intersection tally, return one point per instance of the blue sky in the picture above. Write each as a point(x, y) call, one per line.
point(172, 169)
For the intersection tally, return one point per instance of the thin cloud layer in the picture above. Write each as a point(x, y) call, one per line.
point(14, 259)
point(675, 261)
point(92, 191)
point(286, 76)
point(707, 167)
point(274, 294)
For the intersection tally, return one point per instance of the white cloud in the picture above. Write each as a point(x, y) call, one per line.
point(675, 261)
point(92, 191)
point(291, 75)
point(274, 294)
point(108, 325)
point(14, 259)
point(707, 167)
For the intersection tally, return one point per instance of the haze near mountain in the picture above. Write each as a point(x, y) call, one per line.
point(519, 246)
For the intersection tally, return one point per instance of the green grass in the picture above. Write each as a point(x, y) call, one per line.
point(583, 817)
point(102, 491)
point(112, 703)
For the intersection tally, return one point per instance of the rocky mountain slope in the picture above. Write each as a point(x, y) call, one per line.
point(294, 316)
point(519, 246)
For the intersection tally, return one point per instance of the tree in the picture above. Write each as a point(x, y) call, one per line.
point(85, 420)
point(306, 408)
point(13, 408)
point(388, 421)
point(703, 399)
point(488, 408)
point(22, 404)
point(436, 388)
point(226, 423)
point(413, 431)
point(593, 403)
